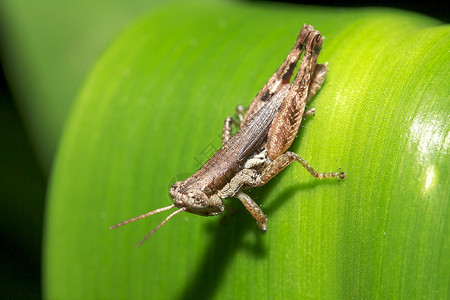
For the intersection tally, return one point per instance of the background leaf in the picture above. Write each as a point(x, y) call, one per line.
point(48, 47)
point(154, 106)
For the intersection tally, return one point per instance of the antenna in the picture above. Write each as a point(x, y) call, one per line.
point(148, 215)
point(143, 216)
point(160, 225)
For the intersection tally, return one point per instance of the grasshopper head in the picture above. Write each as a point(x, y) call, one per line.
point(185, 199)
point(195, 200)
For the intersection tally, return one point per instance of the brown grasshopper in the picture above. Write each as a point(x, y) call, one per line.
point(258, 150)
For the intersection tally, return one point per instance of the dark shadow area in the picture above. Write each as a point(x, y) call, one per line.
point(22, 196)
point(434, 8)
point(239, 232)
point(224, 242)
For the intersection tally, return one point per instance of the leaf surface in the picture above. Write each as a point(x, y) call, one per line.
point(152, 111)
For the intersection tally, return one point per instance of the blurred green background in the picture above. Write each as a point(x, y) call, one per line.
point(47, 49)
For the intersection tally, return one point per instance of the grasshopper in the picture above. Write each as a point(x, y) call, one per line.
point(258, 150)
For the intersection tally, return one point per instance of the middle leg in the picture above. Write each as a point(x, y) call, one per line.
point(281, 162)
point(227, 131)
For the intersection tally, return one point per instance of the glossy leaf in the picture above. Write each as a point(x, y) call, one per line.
point(152, 111)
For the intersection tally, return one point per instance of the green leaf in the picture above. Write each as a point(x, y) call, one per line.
point(153, 109)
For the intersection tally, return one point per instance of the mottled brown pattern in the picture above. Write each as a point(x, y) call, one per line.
point(286, 123)
point(258, 151)
point(281, 76)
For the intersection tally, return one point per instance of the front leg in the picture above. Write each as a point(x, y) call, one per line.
point(247, 177)
point(254, 209)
